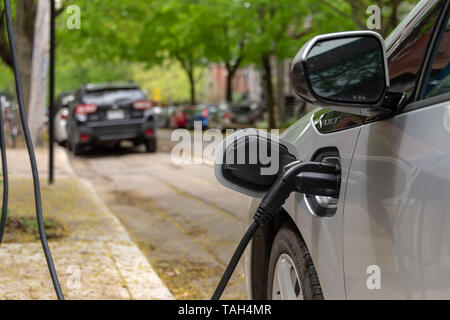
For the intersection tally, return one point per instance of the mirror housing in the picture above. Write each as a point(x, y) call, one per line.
point(250, 161)
point(344, 71)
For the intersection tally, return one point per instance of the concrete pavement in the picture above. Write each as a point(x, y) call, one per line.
point(95, 260)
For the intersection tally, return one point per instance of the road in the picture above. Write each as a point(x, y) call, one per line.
point(186, 223)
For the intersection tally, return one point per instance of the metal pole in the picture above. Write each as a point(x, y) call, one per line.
point(51, 112)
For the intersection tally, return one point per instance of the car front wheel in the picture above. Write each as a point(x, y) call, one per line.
point(291, 275)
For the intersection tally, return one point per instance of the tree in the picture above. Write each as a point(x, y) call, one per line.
point(24, 24)
point(276, 29)
point(25, 14)
point(355, 11)
point(226, 35)
point(171, 32)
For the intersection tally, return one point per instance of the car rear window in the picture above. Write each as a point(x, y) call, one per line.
point(241, 109)
point(107, 96)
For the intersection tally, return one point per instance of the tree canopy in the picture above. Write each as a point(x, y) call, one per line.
point(124, 40)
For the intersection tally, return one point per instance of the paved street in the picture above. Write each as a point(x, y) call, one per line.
point(182, 219)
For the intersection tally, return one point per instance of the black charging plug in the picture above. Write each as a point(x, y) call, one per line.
point(316, 178)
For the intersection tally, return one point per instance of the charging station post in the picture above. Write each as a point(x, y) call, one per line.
point(51, 111)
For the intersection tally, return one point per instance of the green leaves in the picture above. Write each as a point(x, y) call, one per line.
point(116, 34)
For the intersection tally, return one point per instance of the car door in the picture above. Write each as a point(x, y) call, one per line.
point(397, 208)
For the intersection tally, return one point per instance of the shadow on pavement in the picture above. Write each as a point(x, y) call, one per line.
point(104, 152)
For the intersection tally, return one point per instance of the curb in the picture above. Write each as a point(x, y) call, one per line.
point(141, 279)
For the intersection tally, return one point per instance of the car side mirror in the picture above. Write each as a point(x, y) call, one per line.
point(250, 161)
point(344, 71)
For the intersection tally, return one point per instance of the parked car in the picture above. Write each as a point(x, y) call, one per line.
point(108, 114)
point(385, 121)
point(8, 107)
point(179, 117)
point(235, 116)
point(163, 115)
point(200, 113)
point(62, 106)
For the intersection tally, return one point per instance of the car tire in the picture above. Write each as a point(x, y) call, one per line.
point(291, 274)
point(150, 146)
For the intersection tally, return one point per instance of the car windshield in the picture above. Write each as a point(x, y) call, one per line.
point(113, 95)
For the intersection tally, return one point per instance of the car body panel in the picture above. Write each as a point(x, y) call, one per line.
point(323, 236)
point(60, 126)
point(396, 207)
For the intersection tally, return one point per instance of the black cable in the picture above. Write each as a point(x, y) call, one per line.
point(29, 143)
point(234, 260)
point(305, 177)
point(5, 176)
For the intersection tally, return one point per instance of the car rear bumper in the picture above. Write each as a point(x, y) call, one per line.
point(107, 131)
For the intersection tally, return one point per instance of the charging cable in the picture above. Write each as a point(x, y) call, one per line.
point(5, 176)
point(306, 177)
point(32, 156)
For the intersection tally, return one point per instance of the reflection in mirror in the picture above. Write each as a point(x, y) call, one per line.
point(347, 69)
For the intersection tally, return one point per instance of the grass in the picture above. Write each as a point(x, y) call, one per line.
point(61, 203)
point(25, 229)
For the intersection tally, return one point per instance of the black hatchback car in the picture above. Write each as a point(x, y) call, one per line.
point(106, 114)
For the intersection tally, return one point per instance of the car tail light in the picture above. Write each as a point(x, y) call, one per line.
point(149, 132)
point(84, 137)
point(64, 115)
point(85, 109)
point(205, 113)
point(226, 115)
point(142, 105)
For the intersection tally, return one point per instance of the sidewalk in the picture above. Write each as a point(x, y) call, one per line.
point(95, 259)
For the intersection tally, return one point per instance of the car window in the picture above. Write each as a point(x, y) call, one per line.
point(406, 58)
point(438, 79)
point(113, 95)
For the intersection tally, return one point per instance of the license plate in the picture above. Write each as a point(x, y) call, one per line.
point(115, 115)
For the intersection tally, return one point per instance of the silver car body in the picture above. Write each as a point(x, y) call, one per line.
point(61, 125)
point(60, 119)
point(394, 209)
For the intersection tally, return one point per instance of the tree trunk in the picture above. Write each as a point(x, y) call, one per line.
point(269, 89)
point(190, 74)
point(229, 94)
point(39, 72)
point(280, 89)
point(229, 90)
point(232, 69)
point(24, 34)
